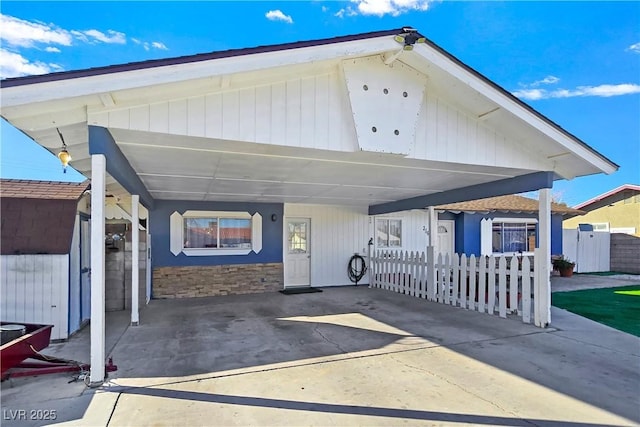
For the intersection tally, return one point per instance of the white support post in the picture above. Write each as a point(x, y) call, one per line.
point(148, 259)
point(433, 229)
point(135, 258)
point(432, 277)
point(432, 254)
point(542, 302)
point(370, 269)
point(98, 175)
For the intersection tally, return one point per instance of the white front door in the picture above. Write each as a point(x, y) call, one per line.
point(446, 237)
point(297, 262)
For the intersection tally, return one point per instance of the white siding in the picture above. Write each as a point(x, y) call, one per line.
point(315, 111)
point(445, 133)
point(34, 289)
point(303, 112)
point(337, 232)
point(415, 224)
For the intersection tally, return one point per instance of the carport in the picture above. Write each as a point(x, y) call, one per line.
point(364, 127)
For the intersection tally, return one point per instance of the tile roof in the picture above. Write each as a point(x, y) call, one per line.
point(510, 203)
point(52, 190)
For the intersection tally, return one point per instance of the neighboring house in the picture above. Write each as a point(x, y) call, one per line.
point(497, 225)
point(616, 211)
point(45, 259)
point(317, 147)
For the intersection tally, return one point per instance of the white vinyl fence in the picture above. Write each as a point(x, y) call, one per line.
point(590, 250)
point(487, 284)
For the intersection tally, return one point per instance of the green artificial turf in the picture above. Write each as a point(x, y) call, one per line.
point(615, 307)
point(635, 292)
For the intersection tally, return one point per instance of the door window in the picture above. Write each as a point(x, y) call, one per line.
point(297, 237)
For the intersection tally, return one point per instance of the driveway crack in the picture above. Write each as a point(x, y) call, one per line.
point(316, 329)
point(113, 410)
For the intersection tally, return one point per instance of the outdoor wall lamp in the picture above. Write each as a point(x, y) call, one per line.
point(63, 155)
point(409, 37)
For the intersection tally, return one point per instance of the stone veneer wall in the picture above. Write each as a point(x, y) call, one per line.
point(205, 281)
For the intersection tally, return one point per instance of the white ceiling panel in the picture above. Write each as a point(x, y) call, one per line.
point(191, 168)
point(171, 162)
point(155, 183)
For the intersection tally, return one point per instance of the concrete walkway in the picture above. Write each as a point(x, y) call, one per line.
point(346, 356)
point(592, 281)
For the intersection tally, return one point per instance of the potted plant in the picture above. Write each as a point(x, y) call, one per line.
point(564, 266)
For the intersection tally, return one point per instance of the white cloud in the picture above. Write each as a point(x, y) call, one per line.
point(348, 12)
point(148, 46)
point(390, 7)
point(111, 36)
point(79, 35)
point(159, 45)
point(14, 65)
point(20, 33)
point(634, 47)
point(604, 91)
point(549, 80)
point(530, 94)
point(277, 15)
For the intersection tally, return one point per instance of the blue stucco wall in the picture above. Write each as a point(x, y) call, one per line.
point(467, 238)
point(160, 233)
point(556, 234)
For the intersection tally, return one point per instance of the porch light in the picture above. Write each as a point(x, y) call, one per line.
point(63, 155)
point(408, 38)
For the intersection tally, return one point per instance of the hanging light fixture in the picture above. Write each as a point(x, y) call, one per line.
point(63, 155)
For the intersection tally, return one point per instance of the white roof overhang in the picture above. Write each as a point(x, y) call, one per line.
point(194, 168)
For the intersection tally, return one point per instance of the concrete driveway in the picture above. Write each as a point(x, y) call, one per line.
point(346, 356)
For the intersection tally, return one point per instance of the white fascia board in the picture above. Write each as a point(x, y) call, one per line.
point(106, 83)
point(510, 105)
point(211, 214)
point(516, 220)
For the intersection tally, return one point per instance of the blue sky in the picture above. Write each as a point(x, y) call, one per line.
point(578, 63)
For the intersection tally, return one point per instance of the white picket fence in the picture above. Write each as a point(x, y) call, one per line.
point(487, 284)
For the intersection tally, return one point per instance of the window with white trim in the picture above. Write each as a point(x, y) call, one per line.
point(388, 233)
point(513, 236)
point(205, 233)
point(217, 232)
point(507, 235)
